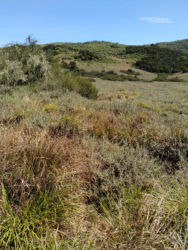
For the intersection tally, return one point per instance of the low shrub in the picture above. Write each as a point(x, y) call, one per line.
point(161, 77)
point(176, 79)
point(50, 107)
point(130, 72)
point(81, 85)
point(87, 55)
point(12, 74)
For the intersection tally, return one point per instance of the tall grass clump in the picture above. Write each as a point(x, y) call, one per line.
point(37, 189)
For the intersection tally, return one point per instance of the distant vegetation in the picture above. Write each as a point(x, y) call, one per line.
point(159, 60)
point(86, 55)
point(109, 75)
point(86, 51)
point(181, 45)
point(151, 58)
point(163, 77)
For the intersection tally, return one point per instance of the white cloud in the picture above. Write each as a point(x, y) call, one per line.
point(155, 19)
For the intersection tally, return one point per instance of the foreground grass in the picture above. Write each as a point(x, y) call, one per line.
point(94, 174)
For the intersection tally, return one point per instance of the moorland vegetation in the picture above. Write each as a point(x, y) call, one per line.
point(89, 159)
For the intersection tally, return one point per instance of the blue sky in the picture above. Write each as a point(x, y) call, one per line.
point(123, 21)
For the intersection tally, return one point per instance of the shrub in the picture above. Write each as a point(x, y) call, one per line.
point(74, 82)
point(159, 60)
point(161, 77)
point(71, 66)
point(22, 64)
point(86, 55)
point(130, 72)
point(87, 89)
point(36, 68)
point(176, 79)
point(12, 74)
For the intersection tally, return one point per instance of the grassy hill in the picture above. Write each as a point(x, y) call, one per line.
point(93, 150)
point(181, 45)
point(150, 58)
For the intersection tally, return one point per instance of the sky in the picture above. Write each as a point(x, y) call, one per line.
point(123, 21)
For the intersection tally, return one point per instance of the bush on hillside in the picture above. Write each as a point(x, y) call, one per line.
point(22, 64)
point(26, 63)
point(51, 50)
point(87, 55)
point(81, 85)
point(176, 79)
point(71, 66)
point(73, 82)
point(36, 68)
point(159, 60)
point(12, 74)
point(161, 77)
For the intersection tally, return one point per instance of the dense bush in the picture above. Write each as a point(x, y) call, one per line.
point(159, 60)
point(36, 68)
point(51, 50)
point(81, 85)
point(72, 81)
point(87, 55)
point(22, 64)
point(12, 74)
point(177, 45)
point(161, 77)
point(71, 66)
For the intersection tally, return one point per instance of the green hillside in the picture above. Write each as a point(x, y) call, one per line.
point(150, 58)
point(181, 45)
point(102, 49)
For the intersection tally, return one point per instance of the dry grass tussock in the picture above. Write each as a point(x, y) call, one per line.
point(40, 178)
point(43, 157)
